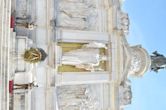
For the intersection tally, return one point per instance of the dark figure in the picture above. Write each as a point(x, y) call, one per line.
point(24, 18)
point(157, 69)
point(156, 53)
point(158, 61)
point(25, 86)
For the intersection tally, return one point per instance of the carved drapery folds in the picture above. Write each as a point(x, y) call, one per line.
point(88, 57)
point(77, 14)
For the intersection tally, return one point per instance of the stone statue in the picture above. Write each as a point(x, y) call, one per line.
point(35, 55)
point(88, 57)
point(158, 61)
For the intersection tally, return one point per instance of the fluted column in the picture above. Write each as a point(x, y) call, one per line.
point(5, 13)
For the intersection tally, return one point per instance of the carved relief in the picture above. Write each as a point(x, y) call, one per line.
point(140, 61)
point(125, 94)
point(124, 22)
point(78, 97)
point(77, 14)
point(135, 61)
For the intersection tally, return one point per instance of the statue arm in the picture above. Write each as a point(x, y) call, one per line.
point(155, 70)
point(157, 54)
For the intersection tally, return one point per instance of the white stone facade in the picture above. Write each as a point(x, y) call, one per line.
point(88, 61)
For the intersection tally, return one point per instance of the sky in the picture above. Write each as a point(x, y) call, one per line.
point(147, 27)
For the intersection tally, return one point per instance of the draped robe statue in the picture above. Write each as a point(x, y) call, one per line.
point(88, 57)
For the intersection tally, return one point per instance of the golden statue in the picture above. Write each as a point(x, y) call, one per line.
point(34, 55)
